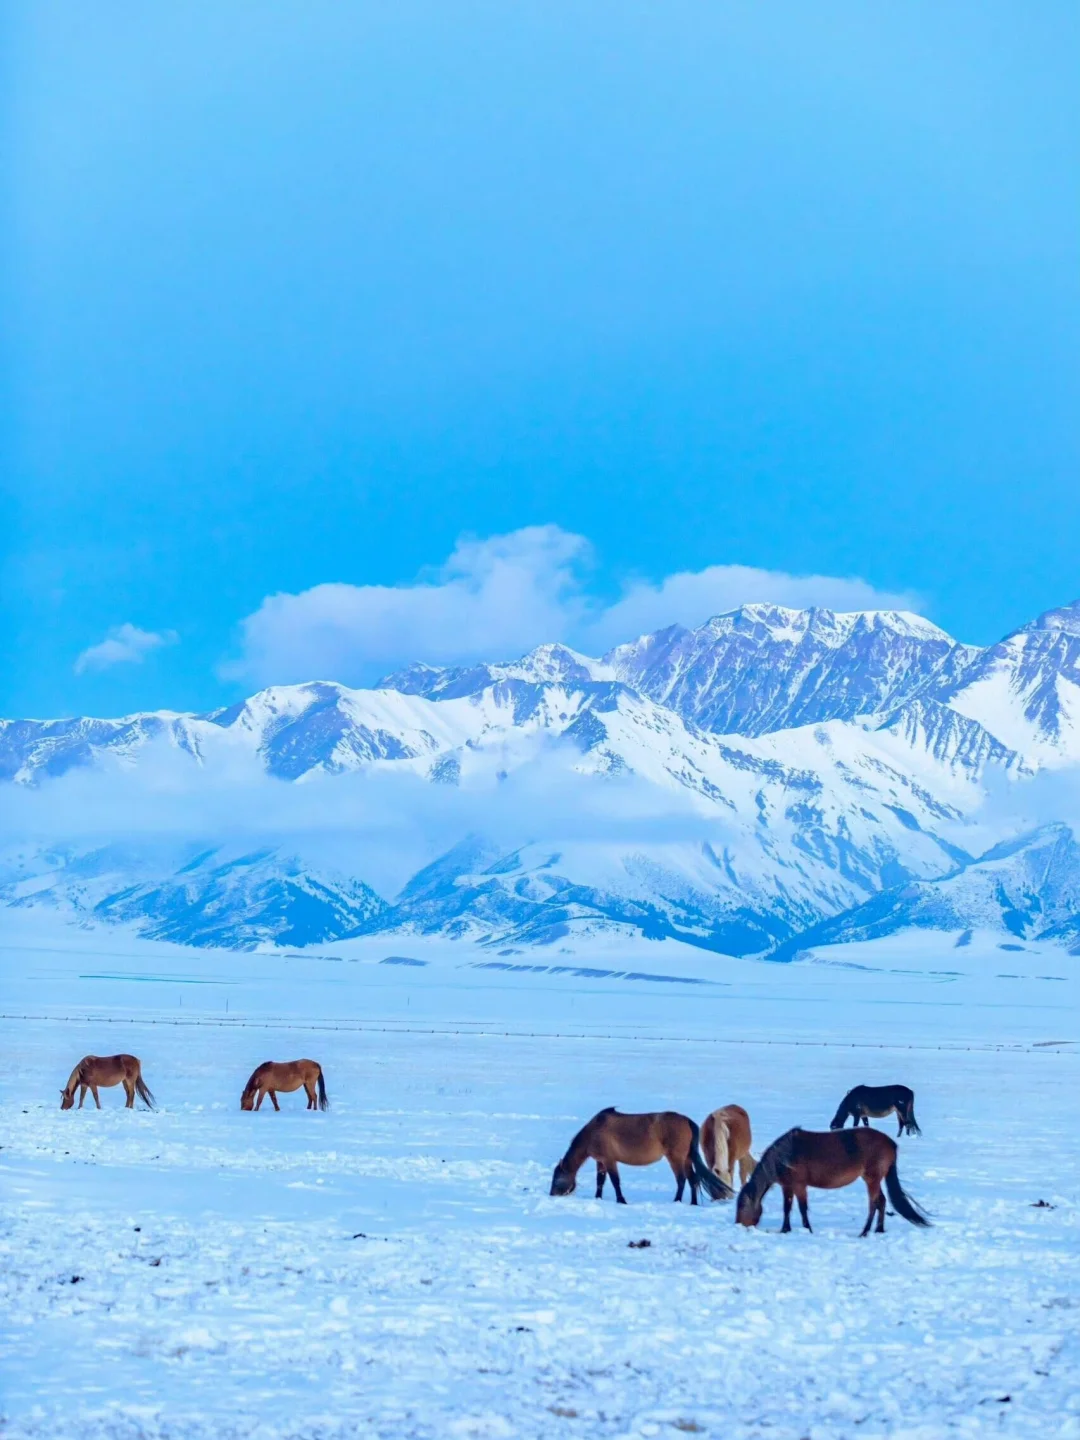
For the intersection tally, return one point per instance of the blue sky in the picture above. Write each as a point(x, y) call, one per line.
point(344, 335)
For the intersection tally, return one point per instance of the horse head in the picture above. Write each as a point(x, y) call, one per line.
point(247, 1100)
point(562, 1181)
point(67, 1099)
point(749, 1207)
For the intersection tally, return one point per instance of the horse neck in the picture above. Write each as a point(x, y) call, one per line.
point(576, 1156)
point(74, 1079)
point(761, 1181)
point(768, 1167)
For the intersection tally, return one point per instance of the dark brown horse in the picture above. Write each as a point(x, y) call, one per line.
point(612, 1140)
point(805, 1158)
point(285, 1075)
point(878, 1101)
point(106, 1070)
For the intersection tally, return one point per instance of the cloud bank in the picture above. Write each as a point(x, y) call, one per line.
point(497, 598)
point(124, 645)
point(380, 824)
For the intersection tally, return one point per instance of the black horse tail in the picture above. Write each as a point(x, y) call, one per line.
point(901, 1203)
point(710, 1182)
point(144, 1093)
point(911, 1125)
point(324, 1103)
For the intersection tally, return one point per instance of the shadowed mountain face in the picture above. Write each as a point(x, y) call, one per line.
point(1028, 888)
point(806, 774)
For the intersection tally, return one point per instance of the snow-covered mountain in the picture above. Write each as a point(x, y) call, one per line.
point(1028, 888)
point(740, 785)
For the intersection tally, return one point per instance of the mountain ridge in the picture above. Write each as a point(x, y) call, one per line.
point(801, 765)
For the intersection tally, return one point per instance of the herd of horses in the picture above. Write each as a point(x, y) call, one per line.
point(703, 1158)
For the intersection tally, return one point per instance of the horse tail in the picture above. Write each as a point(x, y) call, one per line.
point(903, 1204)
point(144, 1093)
point(911, 1125)
point(711, 1183)
point(324, 1103)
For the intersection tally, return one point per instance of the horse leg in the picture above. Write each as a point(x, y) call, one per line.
point(310, 1094)
point(601, 1176)
point(800, 1195)
point(82, 1094)
point(873, 1191)
point(679, 1171)
point(613, 1171)
point(693, 1182)
point(880, 1215)
point(273, 1099)
point(97, 1097)
point(789, 1195)
point(262, 1096)
point(129, 1091)
point(746, 1167)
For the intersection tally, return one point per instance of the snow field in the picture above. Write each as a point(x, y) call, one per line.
point(471, 1303)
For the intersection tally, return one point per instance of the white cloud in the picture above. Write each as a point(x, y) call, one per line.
point(491, 598)
point(494, 600)
point(124, 645)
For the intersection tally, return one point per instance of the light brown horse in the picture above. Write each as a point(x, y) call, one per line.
point(828, 1161)
point(725, 1141)
point(612, 1140)
point(106, 1070)
point(285, 1075)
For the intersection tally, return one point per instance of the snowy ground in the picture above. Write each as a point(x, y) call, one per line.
point(396, 1268)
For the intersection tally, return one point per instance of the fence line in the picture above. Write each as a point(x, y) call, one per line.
point(1054, 1047)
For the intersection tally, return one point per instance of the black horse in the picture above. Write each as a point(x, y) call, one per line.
point(878, 1100)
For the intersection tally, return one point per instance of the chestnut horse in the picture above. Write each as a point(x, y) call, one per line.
point(725, 1140)
point(827, 1161)
point(612, 1139)
point(878, 1101)
point(285, 1075)
point(106, 1070)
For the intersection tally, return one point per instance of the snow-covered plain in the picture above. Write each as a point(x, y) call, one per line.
point(395, 1267)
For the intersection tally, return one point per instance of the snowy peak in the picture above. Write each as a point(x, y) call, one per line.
point(764, 667)
point(546, 665)
point(1065, 617)
point(1025, 690)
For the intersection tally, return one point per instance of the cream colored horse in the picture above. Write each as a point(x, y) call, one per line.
point(725, 1142)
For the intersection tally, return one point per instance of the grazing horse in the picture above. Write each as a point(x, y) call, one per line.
point(285, 1075)
point(106, 1070)
point(828, 1161)
point(725, 1140)
point(612, 1139)
point(878, 1101)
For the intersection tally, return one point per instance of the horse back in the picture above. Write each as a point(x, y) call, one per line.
point(638, 1139)
point(737, 1121)
point(830, 1159)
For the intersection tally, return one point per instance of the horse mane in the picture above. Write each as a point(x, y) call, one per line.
point(579, 1138)
point(250, 1086)
point(776, 1158)
point(75, 1078)
point(843, 1110)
